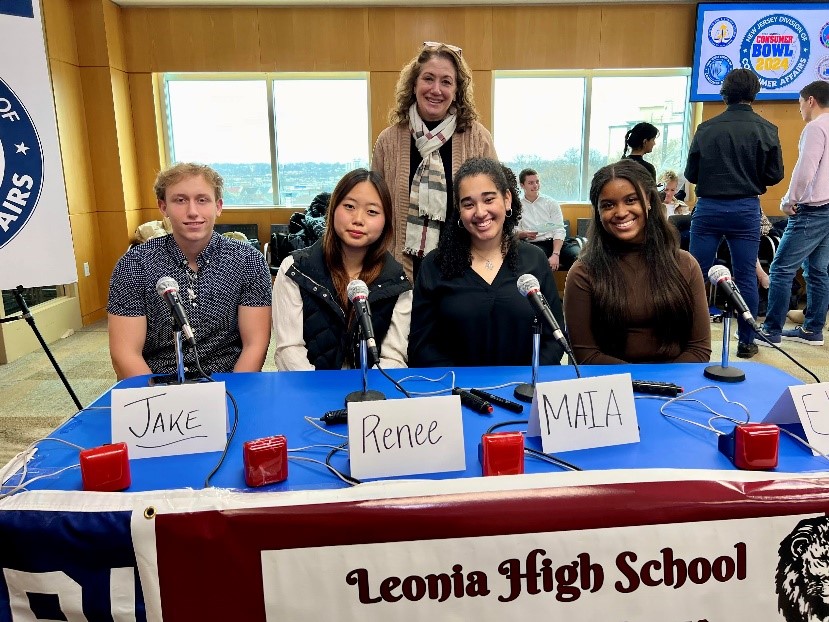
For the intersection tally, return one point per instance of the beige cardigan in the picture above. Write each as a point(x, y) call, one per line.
point(391, 159)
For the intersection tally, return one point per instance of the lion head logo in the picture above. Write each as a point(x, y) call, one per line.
point(803, 572)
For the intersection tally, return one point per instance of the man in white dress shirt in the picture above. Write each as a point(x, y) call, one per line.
point(542, 223)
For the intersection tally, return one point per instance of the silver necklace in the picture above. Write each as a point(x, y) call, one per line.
point(488, 264)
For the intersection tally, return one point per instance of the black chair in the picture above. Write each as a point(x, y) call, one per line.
point(275, 250)
point(682, 222)
point(251, 231)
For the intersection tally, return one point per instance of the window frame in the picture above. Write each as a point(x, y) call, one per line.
point(589, 75)
point(269, 77)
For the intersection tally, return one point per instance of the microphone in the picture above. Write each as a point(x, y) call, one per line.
point(167, 288)
point(357, 293)
point(528, 286)
point(721, 276)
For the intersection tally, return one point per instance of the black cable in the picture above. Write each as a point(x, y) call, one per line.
point(346, 478)
point(502, 424)
point(760, 334)
point(397, 385)
point(551, 459)
point(229, 438)
point(573, 360)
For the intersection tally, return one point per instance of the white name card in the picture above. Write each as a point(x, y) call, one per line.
point(405, 437)
point(809, 405)
point(584, 413)
point(170, 420)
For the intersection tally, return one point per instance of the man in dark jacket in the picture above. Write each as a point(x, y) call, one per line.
point(734, 157)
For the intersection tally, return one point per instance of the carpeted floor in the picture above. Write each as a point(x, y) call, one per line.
point(35, 401)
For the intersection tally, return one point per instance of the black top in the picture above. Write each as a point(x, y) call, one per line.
point(637, 158)
point(735, 155)
point(465, 321)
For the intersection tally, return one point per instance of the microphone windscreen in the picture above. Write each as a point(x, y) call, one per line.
point(165, 284)
point(717, 273)
point(356, 289)
point(527, 283)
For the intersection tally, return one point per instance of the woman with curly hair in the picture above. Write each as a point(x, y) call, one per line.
point(467, 309)
point(433, 129)
point(633, 296)
point(314, 323)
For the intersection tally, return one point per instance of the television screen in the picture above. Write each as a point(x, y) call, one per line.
point(786, 44)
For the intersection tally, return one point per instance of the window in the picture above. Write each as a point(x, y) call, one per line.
point(566, 125)
point(32, 295)
point(277, 139)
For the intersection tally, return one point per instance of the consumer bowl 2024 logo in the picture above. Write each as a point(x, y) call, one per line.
point(21, 165)
point(776, 48)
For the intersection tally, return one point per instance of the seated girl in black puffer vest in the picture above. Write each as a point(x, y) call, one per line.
point(314, 323)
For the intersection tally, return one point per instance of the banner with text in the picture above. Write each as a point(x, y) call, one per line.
point(35, 240)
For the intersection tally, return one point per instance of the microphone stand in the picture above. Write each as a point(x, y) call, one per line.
point(724, 373)
point(181, 376)
point(366, 395)
point(524, 392)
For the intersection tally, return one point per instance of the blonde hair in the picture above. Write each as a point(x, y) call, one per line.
point(464, 103)
point(182, 170)
point(667, 176)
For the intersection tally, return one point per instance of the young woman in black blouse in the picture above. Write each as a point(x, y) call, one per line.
point(467, 310)
point(641, 139)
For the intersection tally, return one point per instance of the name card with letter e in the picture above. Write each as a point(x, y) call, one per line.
point(170, 420)
point(807, 404)
point(405, 437)
point(584, 413)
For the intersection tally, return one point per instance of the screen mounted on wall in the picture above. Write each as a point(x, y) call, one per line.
point(785, 44)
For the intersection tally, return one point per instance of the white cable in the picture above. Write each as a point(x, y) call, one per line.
point(332, 470)
point(800, 440)
point(427, 393)
point(314, 423)
point(22, 456)
point(22, 485)
point(717, 415)
point(307, 447)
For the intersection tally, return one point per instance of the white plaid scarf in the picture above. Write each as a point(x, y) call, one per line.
point(427, 199)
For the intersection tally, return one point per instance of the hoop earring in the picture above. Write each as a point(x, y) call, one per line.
point(509, 212)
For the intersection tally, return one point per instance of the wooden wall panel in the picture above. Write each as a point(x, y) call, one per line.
point(635, 35)
point(90, 32)
point(313, 39)
point(86, 240)
point(126, 139)
point(103, 138)
point(554, 37)
point(397, 34)
point(147, 135)
point(60, 30)
point(381, 96)
point(114, 29)
point(72, 133)
point(191, 39)
point(482, 82)
point(114, 234)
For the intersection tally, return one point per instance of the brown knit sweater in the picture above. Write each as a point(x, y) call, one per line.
point(391, 159)
point(642, 344)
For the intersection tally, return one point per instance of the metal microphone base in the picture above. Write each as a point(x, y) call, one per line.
point(189, 378)
point(724, 374)
point(364, 396)
point(524, 392)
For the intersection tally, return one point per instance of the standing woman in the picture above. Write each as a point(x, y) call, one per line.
point(641, 139)
point(314, 322)
point(433, 129)
point(633, 296)
point(467, 308)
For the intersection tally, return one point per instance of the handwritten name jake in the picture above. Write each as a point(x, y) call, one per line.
point(538, 574)
point(161, 428)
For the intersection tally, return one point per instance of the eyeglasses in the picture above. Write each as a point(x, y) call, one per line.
point(437, 44)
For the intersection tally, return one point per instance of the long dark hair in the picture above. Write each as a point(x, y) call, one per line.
point(454, 253)
point(332, 245)
point(637, 135)
point(672, 297)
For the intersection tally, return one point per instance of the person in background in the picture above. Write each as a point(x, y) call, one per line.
point(641, 139)
point(315, 324)
point(225, 286)
point(669, 181)
point(542, 223)
point(806, 238)
point(467, 308)
point(733, 158)
point(433, 129)
point(633, 296)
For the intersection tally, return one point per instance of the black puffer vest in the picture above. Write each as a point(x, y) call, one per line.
point(329, 342)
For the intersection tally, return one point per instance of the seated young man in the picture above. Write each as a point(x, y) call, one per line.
point(542, 223)
point(225, 286)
